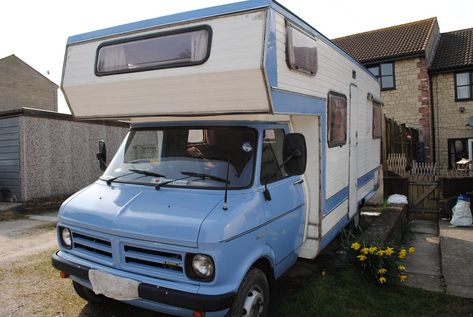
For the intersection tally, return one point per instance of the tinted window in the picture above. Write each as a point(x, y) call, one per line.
point(385, 74)
point(337, 120)
point(187, 157)
point(457, 149)
point(464, 86)
point(272, 156)
point(301, 51)
point(162, 50)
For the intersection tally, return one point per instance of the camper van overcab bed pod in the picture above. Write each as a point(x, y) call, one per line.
point(253, 142)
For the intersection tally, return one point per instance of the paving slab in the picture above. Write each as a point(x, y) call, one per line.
point(456, 245)
point(423, 267)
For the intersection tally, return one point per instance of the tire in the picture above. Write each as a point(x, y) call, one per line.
point(88, 294)
point(252, 299)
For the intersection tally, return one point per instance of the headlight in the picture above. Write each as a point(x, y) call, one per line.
point(202, 267)
point(66, 237)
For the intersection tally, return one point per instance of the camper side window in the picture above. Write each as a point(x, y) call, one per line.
point(178, 48)
point(272, 156)
point(301, 51)
point(337, 119)
point(377, 120)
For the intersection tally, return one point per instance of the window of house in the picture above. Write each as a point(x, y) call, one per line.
point(377, 120)
point(177, 48)
point(301, 51)
point(385, 74)
point(272, 156)
point(337, 119)
point(464, 86)
point(457, 149)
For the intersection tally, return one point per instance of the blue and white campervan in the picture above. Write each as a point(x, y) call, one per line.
point(253, 141)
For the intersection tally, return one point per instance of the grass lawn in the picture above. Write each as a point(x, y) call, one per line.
point(345, 292)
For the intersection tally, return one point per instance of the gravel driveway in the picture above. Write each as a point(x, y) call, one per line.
point(30, 286)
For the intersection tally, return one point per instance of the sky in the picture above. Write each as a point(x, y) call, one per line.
point(37, 31)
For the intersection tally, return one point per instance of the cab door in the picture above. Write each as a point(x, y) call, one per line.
point(284, 205)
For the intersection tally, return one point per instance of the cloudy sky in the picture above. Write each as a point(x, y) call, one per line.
point(36, 31)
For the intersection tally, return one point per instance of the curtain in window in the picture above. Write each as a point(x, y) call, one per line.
point(112, 58)
point(199, 45)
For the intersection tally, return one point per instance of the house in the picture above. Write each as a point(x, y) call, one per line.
point(23, 86)
point(400, 57)
point(452, 86)
point(45, 155)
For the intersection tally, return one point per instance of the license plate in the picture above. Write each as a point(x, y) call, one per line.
point(112, 286)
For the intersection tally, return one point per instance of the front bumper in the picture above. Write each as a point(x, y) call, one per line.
point(199, 302)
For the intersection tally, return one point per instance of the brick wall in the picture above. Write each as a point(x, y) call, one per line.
point(450, 123)
point(22, 86)
point(410, 102)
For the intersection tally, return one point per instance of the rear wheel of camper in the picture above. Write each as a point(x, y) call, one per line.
point(252, 299)
point(88, 294)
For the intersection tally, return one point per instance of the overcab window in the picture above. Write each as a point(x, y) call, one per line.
point(301, 51)
point(177, 48)
point(337, 119)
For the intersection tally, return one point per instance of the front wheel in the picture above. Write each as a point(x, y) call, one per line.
point(252, 299)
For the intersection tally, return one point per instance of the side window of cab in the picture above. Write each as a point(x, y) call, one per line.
point(272, 156)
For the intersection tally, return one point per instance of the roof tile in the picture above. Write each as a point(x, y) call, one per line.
point(395, 41)
point(455, 50)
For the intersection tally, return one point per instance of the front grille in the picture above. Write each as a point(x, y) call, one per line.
point(156, 260)
point(92, 246)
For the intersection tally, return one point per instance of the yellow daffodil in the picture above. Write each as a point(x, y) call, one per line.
point(382, 280)
point(402, 253)
point(389, 251)
point(401, 267)
point(380, 253)
point(373, 249)
point(355, 246)
point(403, 278)
point(412, 250)
point(323, 273)
point(365, 251)
point(382, 271)
point(361, 257)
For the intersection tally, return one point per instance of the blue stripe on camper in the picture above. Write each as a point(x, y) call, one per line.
point(295, 103)
point(333, 233)
point(366, 178)
point(271, 63)
point(334, 201)
point(170, 19)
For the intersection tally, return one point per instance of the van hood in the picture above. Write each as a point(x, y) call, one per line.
point(168, 215)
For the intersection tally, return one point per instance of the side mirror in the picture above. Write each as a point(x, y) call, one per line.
point(295, 154)
point(102, 155)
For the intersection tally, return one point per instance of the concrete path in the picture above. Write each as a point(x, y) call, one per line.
point(456, 245)
point(423, 267)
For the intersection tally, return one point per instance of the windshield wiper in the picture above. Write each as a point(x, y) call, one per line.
point(111, 179)
point(206, 176)
point(146, 173)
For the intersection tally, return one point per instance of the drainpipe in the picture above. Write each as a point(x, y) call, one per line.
point(434, 148)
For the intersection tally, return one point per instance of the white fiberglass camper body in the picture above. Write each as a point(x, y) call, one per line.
point(248, 64)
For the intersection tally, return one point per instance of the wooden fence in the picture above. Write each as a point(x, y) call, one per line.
point(422, 178)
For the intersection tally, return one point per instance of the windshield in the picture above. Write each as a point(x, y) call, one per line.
point(186, 157)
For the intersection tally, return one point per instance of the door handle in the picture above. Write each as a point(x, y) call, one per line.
point(297, 182)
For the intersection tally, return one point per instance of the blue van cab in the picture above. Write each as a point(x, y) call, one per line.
point(197, 217)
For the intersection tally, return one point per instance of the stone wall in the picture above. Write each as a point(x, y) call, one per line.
point(58, 155)
point(450, 123)
point(22, 86)
point(409, 103)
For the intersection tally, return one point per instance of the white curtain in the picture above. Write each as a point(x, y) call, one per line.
point(112, 58)
point(199, 45)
